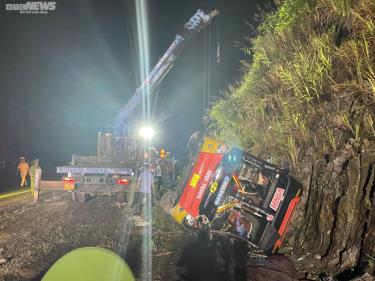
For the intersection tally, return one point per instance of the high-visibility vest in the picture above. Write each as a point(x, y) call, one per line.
point(162, 153)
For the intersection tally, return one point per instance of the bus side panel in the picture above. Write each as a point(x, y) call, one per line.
point(215, 160)
point(203, 169)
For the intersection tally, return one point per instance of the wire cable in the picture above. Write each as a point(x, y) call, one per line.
point(209, 69)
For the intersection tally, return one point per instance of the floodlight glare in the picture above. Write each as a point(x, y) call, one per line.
point(147, 133)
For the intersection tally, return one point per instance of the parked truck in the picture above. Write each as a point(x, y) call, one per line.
point(115, 167)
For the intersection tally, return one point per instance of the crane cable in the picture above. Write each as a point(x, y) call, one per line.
point(204, 74)
point(208, 71)
point(218, 58)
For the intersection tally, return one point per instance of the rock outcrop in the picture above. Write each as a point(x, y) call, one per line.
point(334, 229)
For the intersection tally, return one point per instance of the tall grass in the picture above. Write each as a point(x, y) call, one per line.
point(310, 83)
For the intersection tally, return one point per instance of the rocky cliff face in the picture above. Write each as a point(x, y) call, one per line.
point(334, 228)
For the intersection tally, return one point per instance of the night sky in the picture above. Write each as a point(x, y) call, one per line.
point(64, 76)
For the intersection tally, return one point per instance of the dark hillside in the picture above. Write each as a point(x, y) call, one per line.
point(308, 95)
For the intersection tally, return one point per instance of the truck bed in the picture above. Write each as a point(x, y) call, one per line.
point(88, 169)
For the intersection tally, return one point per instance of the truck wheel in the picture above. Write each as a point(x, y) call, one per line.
point(121, 197)
point(79, 196)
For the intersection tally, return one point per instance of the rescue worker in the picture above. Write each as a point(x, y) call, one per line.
point(23, 169)
point(206, 121)
point(33, 168)
point(193, 144)
point(158, 179)
point(145, 188)
point(162, 153)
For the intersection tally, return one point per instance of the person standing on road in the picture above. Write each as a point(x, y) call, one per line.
point(23, 169)
point(3, 166)
point(33, 168)
point(158, 180)
point(145, 188)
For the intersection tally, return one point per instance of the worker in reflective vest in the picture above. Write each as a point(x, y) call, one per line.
point(162, 153)
point(23, 169)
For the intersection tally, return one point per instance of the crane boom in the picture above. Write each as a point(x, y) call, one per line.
point(195, 24)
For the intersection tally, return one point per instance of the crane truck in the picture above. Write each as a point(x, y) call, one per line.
point(115, 167)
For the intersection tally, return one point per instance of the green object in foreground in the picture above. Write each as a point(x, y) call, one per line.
point(89, 264)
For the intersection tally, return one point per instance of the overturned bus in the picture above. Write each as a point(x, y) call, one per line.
point(228, 191)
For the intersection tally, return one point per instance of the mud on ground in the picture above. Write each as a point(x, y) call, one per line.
point(32, 237)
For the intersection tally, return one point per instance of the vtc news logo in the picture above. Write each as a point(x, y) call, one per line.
point(31, 7)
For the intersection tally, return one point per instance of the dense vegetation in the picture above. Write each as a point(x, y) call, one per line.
point(308, 95)
point(310, 83)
